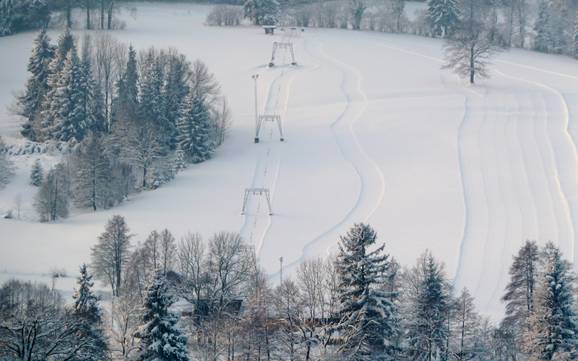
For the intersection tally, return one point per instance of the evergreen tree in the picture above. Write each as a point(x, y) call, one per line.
point(36, 174)
point(88, 321)
point(21, 15)
point(519, 296)
point(180, 162)
point(175, 91)
point(262, 12)
point(561, 24)
point(93, 181)
point(92, 102)
point(444, 16)
point(52, 198)
point(367, 315)
point(427, 311)
point(575, 37)
point(67, 107)
point(37, 85)
point(6, 17)
point(201, 132)
point(6, 166)
point(64, 46)
point(553, 332)
point(161, 338)
point(194, 129)
point(152, 105)
point(543, 39)
point(126, 104)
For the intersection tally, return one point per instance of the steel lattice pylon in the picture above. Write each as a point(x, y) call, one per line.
point(269, 118)
point(282, 45)
point(262, 192)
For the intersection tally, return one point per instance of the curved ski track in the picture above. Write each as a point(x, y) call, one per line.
point(517, 197)
point(371, 178)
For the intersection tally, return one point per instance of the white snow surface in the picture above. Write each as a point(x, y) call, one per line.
point(375, 132)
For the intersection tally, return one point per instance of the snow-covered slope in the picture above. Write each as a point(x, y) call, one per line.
point(374, 131)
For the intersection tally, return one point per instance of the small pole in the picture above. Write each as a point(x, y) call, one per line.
point(255, 77)
point(281, 270)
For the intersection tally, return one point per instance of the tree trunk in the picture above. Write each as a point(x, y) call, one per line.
point(102, 14)
point(68, 13)
point(109, 18)
point(87, 14)
point(144, 176)
point(511, 23)
point(118, 279)
point(472, 66)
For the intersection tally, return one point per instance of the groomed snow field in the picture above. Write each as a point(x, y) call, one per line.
point(374, 132)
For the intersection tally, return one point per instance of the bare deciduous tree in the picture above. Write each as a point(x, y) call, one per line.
point(469, 50)
point(111, 253)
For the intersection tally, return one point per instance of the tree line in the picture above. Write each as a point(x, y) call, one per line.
point(131, 121)
point(22, 15)
point(357, 305)
point(474, 29)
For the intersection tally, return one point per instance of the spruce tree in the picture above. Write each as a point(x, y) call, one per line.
point(152, 105)
point(542, 40)
point(553, 331)
point(93, 181)
point(125, 105)
point(6, 166)
point(444, 16)
point(30, 101)
point(367, 314)
point(262, 12)
point(180, 163)
point(575, 37)
point(175, 91)
point(184, 128)
point(67, 108)
point(161, 338)
point(36, 174)
point(561, 24)
point(87, 319)
point(92, 103)
point(427, 311)
point(6, 17)
point(47, 114)
point(194, 129)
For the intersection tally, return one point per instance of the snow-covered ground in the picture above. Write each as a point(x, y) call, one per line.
point(374, 131)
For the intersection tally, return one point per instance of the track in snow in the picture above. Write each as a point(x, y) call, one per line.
point(371, 178)
point(518, 167)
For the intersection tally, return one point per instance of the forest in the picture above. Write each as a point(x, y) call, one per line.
point(197, 299)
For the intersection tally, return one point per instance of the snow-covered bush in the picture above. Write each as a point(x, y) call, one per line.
point(6, 166)
point(36, 174)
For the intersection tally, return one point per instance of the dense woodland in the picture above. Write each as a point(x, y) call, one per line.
point(126, 121)
point(543, 25)
point(359, 305)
